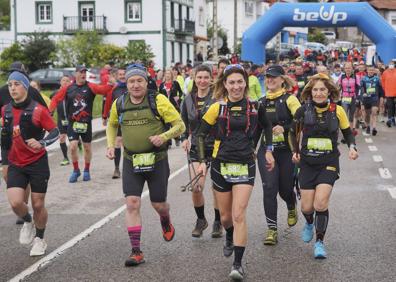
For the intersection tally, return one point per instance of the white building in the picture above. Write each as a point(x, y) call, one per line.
point(248, 11)
point(168, 26)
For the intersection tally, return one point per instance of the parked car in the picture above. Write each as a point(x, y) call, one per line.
point(50, 78)
point(330, 35)
point(315, 46)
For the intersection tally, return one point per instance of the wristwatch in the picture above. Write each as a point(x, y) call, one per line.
point(270, 148)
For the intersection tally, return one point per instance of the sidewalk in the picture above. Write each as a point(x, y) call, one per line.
point(98, 130)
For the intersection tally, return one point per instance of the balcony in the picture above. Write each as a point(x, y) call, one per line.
point(73, 25)
point(184, 27)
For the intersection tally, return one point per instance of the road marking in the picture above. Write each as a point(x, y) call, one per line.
point(377, 158)
point(385, 173)
point(59, 251)
point(368, 140)
point(392, 192)
point(373, 148)
point(98, 140)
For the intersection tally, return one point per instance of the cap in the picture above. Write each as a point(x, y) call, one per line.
point(17, 66)
point(81, 68)
point(275, 70)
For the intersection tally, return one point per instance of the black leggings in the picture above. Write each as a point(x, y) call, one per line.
point(279, 180)
point(390, 106)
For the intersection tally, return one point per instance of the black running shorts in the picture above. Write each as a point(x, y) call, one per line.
point(74, 136)
point(311, 175)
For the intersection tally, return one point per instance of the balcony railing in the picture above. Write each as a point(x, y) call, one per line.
point(85, 23)
point(184, 26)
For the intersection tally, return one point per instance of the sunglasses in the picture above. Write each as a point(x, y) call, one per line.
point(234, 66)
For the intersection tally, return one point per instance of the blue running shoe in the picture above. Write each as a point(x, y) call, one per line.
point(319, 250)
point(86, 175)
point(73, 177)
point(307, 233)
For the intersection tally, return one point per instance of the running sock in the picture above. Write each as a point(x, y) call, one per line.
point(230, 233)
point(217, 214)
point(63, 147)
point(40, 233)
point(309, 217)
point(165, 220)
point(75, 166)
point(86, 167)
point(117, 157)
point(321, 220)
point(27, 217)
point(134, 233)
point(200, 211)
point(238, 254)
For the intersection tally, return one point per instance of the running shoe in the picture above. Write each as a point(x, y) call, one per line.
point(168, 232)
point(307, 233)
point(228, 248)
point(319, 250)
point(74, 176)
point(292, 217)
point(19, 221)
point(26, 235)
point(368, 130)
point(271, 238)
point(39, 247)
point(86, 175)
point(64, 162)
point(374, 132)
point(135, 258)
point(217, 229)
point(389, 123)
point(116, 174)
point(200, 226)
point(236, 273)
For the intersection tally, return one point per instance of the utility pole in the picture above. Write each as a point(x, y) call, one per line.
point(215, 30)
point(235, 25)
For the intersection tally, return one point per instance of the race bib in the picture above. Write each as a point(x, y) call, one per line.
point(234, 173)
point(370, 91)
point(280, 138)
point(301, 84)
point(346, 100)
point(64, 122)
point(143, 162)
point(320, 145)
point(80, 127)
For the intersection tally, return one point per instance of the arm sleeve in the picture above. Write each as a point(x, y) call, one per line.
point(59, 96)
point(265, 124)
point(100, 89)
point(177, 128)
point(184, 116)
point(203, 131)
point(348, 136)
point(51, 137)
point(170, 115)
point(112, 126)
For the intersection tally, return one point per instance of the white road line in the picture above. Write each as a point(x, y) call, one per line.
point(373, 148)
point(392, 192)
point(385, 173)
point(98, 140)
point(368, 140)
point(377, 158)
point(59, 251)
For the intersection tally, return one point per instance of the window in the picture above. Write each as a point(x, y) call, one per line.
point(43, 12)
point(393, 21)
point(40, 74)
point(55, 74)
point(133, 11)
point(249, 8)
point(201, 17)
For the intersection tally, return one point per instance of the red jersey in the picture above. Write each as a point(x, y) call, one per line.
point(20, 153)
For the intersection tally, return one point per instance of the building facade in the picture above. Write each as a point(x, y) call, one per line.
point(168, 26)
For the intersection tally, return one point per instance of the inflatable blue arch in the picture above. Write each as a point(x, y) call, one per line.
point(282, 15)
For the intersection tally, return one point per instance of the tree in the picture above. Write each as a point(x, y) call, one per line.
point(11, 54)
point(39, 50)
point(139, 51)
point(314, 35)
point(5, 15)
point(222, 33)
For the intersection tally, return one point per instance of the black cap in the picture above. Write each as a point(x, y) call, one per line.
point(18, 66)
point(81, 68)
point(275, 71)
point(337, 65)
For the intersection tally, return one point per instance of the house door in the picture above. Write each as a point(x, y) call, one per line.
point(87, 16)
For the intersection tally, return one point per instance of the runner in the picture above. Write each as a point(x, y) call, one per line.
point(24, 123)
point(318, 120)
point(370, 88)
point(145, 154)
point(119, 90)
point(301, 79)
point(388, 82)
point(63, 121)
point(238, 122)
point(79, 97)
point(193, 108)
point(280, 107)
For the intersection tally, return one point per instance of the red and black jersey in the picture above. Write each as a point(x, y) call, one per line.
point(79, 100)
point(116, 92)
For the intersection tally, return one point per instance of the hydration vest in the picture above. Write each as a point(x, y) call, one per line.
point(26, 126)
point(277, 111)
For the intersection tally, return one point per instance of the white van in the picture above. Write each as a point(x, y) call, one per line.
point(330, 35)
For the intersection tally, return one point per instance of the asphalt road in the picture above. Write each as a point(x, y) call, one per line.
point(360, 237)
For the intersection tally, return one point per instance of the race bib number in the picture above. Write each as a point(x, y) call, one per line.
point(280, 138)
point(143, 162)
point(80, 127)
point(234, 173)
point(64, 122)
point(320, 145)
point(370, 91)
point(346, 100)
point(301, 84)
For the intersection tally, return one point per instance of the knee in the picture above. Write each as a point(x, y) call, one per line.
point(87, 148)
point(226, 218)
point(160, 207)
point(16, 203)
point(37, 206)
point(133, 205)
point(320, 205)
point(238, 217)
point(73, 146)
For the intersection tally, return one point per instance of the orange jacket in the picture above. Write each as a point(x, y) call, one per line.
point(388, 81)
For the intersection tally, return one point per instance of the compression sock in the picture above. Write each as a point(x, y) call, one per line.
point(230, 233)
point(309, 217)
point(238, 254)
point(27, 217)
point(117, 157)
point(86, 167)
point(321, 221)
point(64, 150)
point(40, 233)
point(217, 214)
point(200, 211)
point(134, 233)
point(75, 166)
